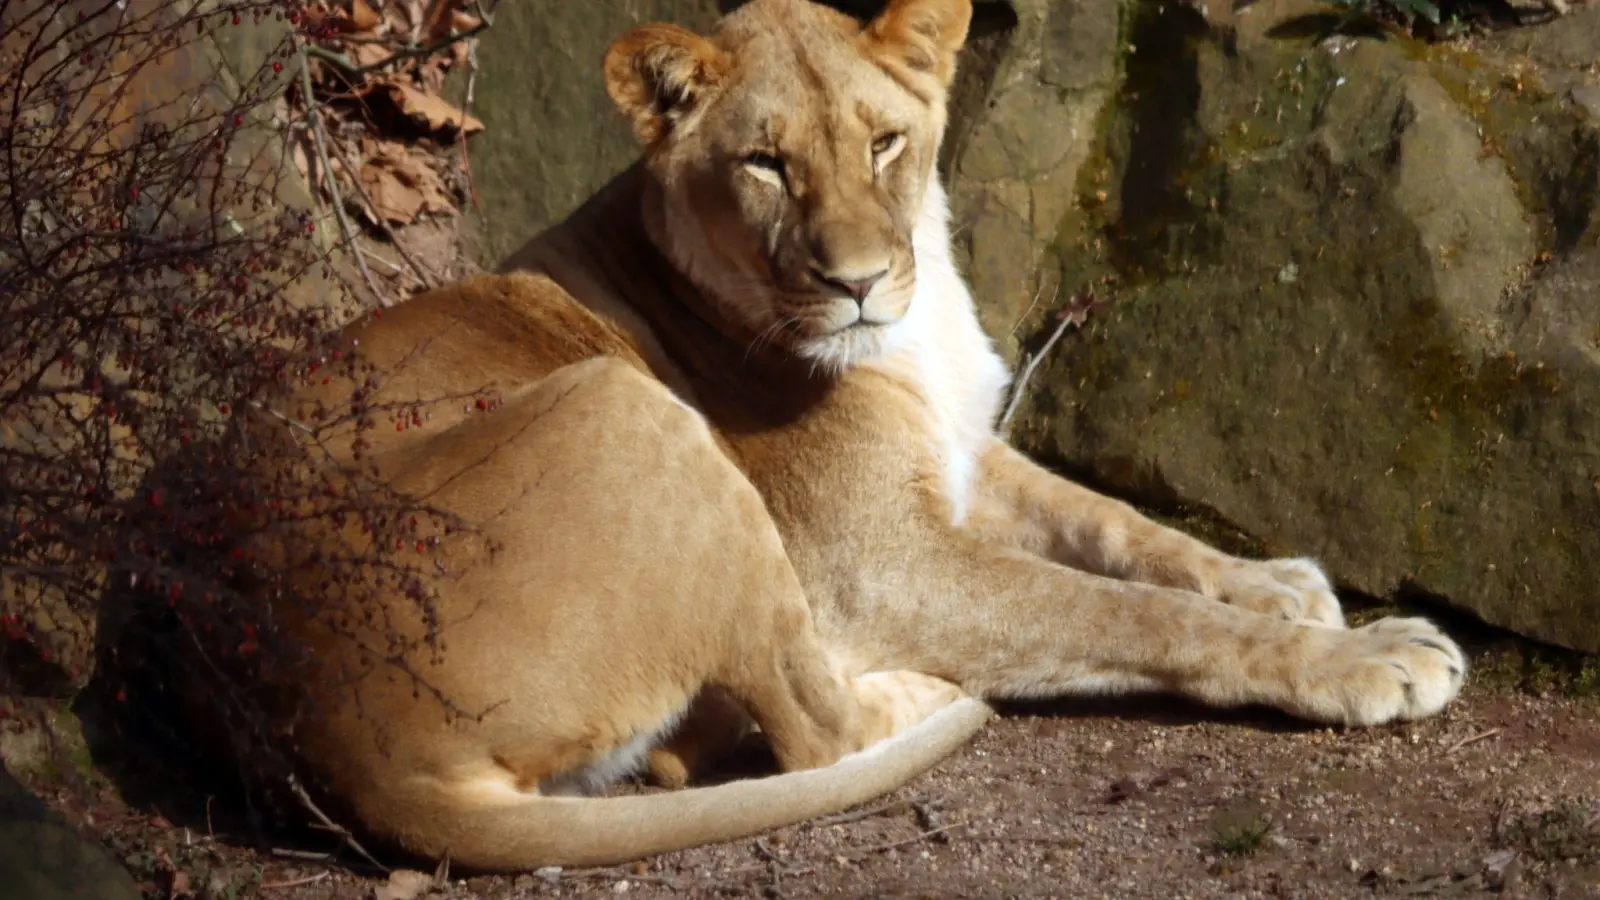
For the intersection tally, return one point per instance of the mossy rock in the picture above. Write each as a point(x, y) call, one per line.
point(1354, 315)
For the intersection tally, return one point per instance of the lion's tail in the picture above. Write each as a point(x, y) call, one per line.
point(529, 831)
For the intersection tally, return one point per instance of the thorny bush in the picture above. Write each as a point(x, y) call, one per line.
point(154, 307)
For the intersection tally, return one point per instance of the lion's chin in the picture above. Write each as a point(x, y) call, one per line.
point(837, 351)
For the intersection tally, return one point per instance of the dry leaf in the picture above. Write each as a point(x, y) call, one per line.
point(363, 17)
point(395, 201)
point(368, 54)
point(357, 17)
point(426, 110)
point(404, 884)
point(402, 186)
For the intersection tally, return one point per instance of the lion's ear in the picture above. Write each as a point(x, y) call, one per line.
point(657, 73)
point(922, 36)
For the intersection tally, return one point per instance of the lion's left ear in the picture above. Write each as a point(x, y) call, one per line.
point(922, 36)
point(656, 74)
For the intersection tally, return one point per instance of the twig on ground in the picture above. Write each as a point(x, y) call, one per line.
point(393, 267)
point(623, 875)
point(1472, 739)
point(865, 852)
point(349, 839)
point(461, 133)
point(320, 139)
point(423, 275)
point(1032, 305)
point(886, 809)
point(298, 882)
point(285, 853)
point(1029, 363)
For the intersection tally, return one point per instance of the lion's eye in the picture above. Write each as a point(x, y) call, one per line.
point(765, 161)
point(884, 143)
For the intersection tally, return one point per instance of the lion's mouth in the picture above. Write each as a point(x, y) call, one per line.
point(822, 326)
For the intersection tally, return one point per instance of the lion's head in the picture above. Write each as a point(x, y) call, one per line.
point(793, 149)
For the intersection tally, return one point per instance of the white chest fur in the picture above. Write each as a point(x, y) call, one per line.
point(940, 345)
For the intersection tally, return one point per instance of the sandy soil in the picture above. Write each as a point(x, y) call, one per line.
point(1136, 798)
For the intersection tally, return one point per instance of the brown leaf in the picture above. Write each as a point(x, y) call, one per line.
point(404, 884)
point(396, 202)
point(427, 110)
point(368, 54)
point(401, 185)
point(359, 18)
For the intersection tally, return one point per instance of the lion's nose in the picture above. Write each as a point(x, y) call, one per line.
point(858, 288)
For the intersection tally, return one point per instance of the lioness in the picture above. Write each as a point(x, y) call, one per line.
point(745, 463)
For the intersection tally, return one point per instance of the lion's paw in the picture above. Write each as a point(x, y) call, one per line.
point(1392, 670)
point(1293, 589)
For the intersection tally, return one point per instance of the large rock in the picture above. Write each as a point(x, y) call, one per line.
point(1357, 313)
point(43, 858)
point(552, 136)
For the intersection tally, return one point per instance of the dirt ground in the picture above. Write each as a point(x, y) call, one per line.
point(1132, 798)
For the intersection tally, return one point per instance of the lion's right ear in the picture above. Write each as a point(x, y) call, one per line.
point(922, 37)
point(657, 73)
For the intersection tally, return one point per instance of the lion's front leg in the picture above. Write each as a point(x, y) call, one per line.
point(1021, 504)
point(1004, 623)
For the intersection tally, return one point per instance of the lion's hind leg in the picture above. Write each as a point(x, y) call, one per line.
point(680, 578)
point(709, 734)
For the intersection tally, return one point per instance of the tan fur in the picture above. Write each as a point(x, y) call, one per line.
point(726, 466)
